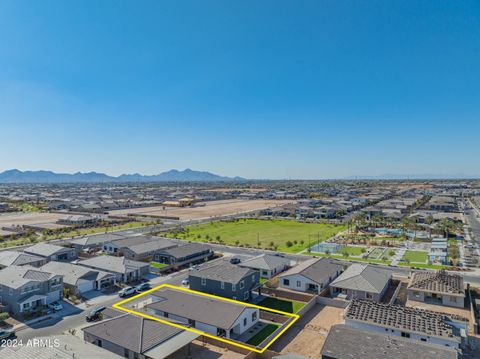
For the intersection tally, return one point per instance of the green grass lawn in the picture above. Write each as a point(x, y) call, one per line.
point(246, 233)
point(263, 334)
point(158, 265)
point(288, 306)
point(352, 251)
point(422, 265)
point(415, 256)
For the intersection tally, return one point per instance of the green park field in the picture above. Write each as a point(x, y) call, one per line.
point(282, 235)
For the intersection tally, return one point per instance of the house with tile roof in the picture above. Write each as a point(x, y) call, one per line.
point(313, 275)
point(267, 265)
point(210, 315)
point(437, 288)
point(26, 288)
point(225, 280)
point(362, 281)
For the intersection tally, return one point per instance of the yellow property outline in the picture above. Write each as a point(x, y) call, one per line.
point(199, 332)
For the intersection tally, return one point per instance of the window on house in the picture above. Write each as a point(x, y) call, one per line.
point(222, 285)
point(453, 299)
point(204, 281)
point(423, 339)
point(254, 316)
point(405, 335)
point(253, 278)
point(234, 287)
point(99, 343)
point(245, 296)
point(299, 283)
point(286, 282)
point(242, 284)
point(368, 295)
point(244, 322)
point(126, 353)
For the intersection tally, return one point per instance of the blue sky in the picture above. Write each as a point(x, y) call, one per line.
point(271, 89)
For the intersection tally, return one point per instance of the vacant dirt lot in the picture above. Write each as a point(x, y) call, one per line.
point(37, 219)
point(210, 209)
point(307, 336)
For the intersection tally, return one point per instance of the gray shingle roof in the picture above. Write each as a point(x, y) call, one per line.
point(186, 250)
point(8, 258)
point(265, 261)
point(363, 277)
point(16, 276)
point(132, 332)
point(113, 264)
point(440, 282)
point(72, 273)
point(212, 311)
point(344, 342)
point(97, 239)
point(44, 249)
point(318, 270)
point(224, 272)
point(151, 246)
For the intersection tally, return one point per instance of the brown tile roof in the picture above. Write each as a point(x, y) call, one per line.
point(440, 282)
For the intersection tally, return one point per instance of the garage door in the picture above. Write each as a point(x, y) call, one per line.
point(53, 296)
point(85, 286)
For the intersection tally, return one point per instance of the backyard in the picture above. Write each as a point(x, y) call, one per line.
point(263, 334)
point(282, 235)
point(287, 306)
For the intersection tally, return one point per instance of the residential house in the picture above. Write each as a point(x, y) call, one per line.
point(26, 288)
point(312, 275)
point(123, 269)
point(183, 255)
point(210, 315)
point(437, 288)
point(267, 265)
point(94, 242)
point(362, 281)
point(79, 279)
point(9, 258)
point(344, 342)
point(78, 220)
point(134, 337)
point(225, 280)
point(52, 252)
point(411, 323)
point(146, 251)
point(138, 247)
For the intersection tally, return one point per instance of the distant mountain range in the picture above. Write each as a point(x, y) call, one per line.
point(188, 175)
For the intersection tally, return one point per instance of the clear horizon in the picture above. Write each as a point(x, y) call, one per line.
point(273, 90)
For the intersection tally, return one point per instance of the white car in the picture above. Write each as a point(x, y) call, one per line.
point(185, 282)
point(126, 291)
point(56, 306)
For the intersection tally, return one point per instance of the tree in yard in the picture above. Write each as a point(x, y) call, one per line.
point(272, 244)
point(346, 254)
point(391, 253)
point(4, 316)
point(289, 244)
point(218, 238)
point(363, 250)
point(237, 242)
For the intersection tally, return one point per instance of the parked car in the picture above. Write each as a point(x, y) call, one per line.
point(126, 291)
point(142, 287)
point(195, 267)
point(185, 282)
point(235, 260)
point(56, 306)
point(6, 333)
point(95, 314)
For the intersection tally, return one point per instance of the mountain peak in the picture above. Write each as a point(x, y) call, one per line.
point(188, 175)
